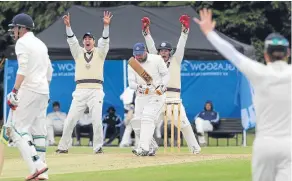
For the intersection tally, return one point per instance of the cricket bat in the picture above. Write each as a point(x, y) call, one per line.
point(141, 72)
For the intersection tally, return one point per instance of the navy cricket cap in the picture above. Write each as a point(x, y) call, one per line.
point(165, 46)
point(88, 34)
point(139, 49)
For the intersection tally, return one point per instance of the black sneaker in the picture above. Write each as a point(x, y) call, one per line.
point(99, 151)
point(61, 151)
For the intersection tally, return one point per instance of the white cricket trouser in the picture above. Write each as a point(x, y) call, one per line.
point(50, 135)
point(126, 140)
point(158, 126)
point(93, 98)
point(203, 126)
point(271, 159)
point(30, 115)
point(52, 128)
point(185, 125)
point(29, 127)
point(147, 110)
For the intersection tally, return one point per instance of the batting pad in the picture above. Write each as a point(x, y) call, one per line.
point(3, 137)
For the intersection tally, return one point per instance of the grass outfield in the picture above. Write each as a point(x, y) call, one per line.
point(119, 164)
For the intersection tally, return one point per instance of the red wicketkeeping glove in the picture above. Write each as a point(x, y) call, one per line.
point(185, 21)
point(145, 23)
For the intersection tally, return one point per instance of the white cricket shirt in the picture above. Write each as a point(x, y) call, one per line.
point(272, 89)
point(155, 67)
point(33, 63)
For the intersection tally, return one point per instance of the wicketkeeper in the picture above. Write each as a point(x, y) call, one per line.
point(173, 61)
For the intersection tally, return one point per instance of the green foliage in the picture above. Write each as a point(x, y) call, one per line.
point(153, 3)
point(249, 22)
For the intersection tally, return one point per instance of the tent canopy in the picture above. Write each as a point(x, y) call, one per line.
point(125, 31)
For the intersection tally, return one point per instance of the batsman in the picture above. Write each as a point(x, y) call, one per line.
point(89, 83)
point(148, 76)
point(28, 100)
point(173, 62)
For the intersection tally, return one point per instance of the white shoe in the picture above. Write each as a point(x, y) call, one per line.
point(41, 167)
point(43, 176)
point(196, 151)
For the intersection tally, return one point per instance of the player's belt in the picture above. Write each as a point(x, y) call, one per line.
point(82, 81)
point(170, 89)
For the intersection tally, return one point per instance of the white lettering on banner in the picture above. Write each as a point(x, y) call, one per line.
point(64, 69)
point(206, 68)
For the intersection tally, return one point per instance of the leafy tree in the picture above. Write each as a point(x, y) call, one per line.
point(248, 22)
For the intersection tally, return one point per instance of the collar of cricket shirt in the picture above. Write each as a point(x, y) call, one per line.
point(278, 63)
point(27, 34)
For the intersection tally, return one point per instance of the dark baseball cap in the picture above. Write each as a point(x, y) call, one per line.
point(139, 49)
point(88, 34)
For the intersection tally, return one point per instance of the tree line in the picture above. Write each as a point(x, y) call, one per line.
point(248, 22)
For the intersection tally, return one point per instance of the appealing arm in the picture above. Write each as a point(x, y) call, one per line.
point(247, 66)
point(75, 48)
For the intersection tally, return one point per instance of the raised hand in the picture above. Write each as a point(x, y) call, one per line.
point(145, 24)
point(206, 24)
point(66, 19)
point(185, 22)
point(107, 16)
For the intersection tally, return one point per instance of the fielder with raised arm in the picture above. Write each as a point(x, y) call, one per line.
point(29, 98)
point(89, 83)
point(272, 100)
point(149, 98)
point(173, 61)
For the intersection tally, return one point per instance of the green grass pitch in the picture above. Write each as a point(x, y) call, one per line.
point(119, 164)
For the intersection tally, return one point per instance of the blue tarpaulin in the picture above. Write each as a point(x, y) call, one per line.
point(218, 81)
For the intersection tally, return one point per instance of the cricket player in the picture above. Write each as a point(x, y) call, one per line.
point(272, 100)
point(28, 100)
point(149, 98)
point(128, 98)
point(55, 123)
point(89, 83)
point(173, 61)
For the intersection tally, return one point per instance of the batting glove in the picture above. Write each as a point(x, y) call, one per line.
point(143, 89)
point(145, 25)
point(160, 89)
point(185, 21)
point(12, 99)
